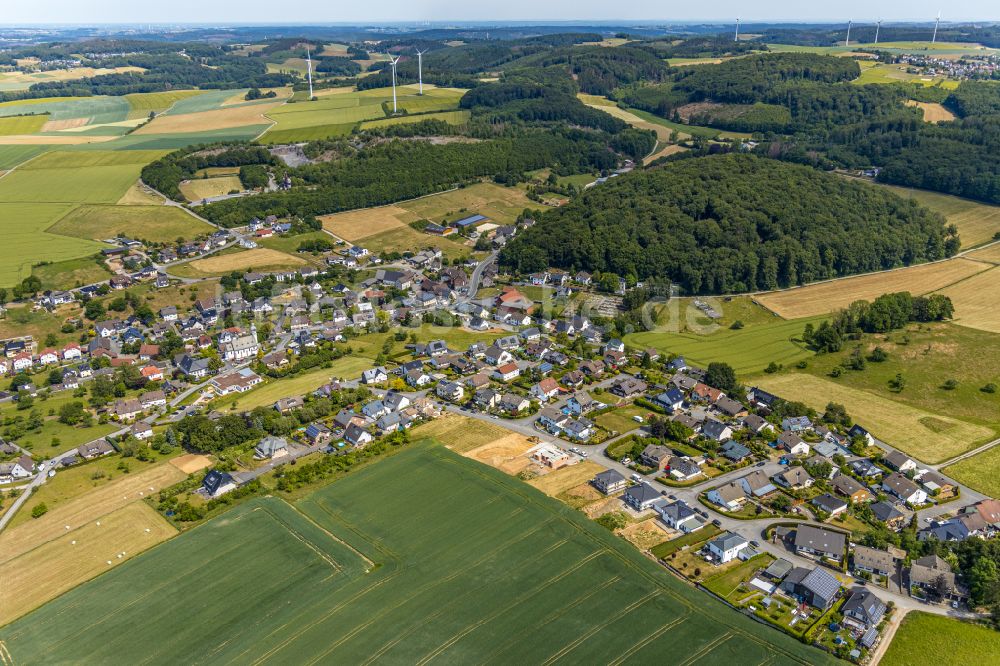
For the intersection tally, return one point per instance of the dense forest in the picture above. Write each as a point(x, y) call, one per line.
point(732, 223)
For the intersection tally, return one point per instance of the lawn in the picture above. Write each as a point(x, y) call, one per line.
point(620, 419)
point(388, 546)
point(40, 440)
point(930, 437)
point(923, 638)
point(407, 239)
point(27, 242)
point(726, 583)
point(161, 224)
point(690, 539)
point(348, 367)
point(749, 349)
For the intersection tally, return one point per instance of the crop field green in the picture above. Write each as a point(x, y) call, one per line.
point(158, 101)
point(450, 117)
point(77, 185)
point(387, 565)
point(923, 638)
point(930, 437)
point(11, 156)
point(96, 109)
point(748, 350)
point(12, 125)
point(872, 72)
point(26, 241)
point(151, 223)
point(336, 115)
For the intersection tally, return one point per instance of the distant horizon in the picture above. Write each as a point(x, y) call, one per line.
point(481, 22)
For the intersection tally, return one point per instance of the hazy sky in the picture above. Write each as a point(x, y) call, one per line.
point(331, 11)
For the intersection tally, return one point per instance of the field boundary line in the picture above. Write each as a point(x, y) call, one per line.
point(565, 609)
point(334, 537)
point(647, 640)
point(517, 601)
point(566, 649)
point(708, 648)
point(334, 564)
point(267, 655)
point(993, 267)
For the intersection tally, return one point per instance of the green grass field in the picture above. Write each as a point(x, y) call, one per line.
point(387, 565)
point(159, 101)
point(923, 638)
point(151, 223)
point(980, 472)
point(22, 124)
point(930, 437)
point(348, 367)
point(749, 350)
point(96, 109)
point(11, 156)
point(70, 273)
point(450, 117)
point(78, 185)
point(27, 242)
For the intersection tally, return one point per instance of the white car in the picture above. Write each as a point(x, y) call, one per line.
point(637, 419)
point(637, 477)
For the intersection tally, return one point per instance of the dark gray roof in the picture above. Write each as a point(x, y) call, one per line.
point(823, 541)
point(642, 493)
point(821, 583)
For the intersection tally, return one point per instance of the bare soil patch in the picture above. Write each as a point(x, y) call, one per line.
point(646, 534)
point(933, 112)
point(69, 123)
point(561, 480)
point(191, 462)
point(507, 454)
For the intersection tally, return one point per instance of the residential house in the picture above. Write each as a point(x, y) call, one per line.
point(656, 456)
point(452, 391)
point(906, 490)
point(819, 542)
point(641, 496)
point(95, 449)
point(891, 516)
point(734, 451)
point(628, 387)
point(727, 546)
point(862, 609)
point(704, 393)
point(683, 469)
point(271, 447)
point(288, 405)
point(716, 430)
point(318, 433)
point(507, 372)
point(487, 398)
point(930, 572)
point(857, 431)
point(126, 410)
point(794, 478)
point(796, 424)
point(730, 407)
point(849, 488)
point(218, 483)
point(899, 461)
point(873, 560)
point(816, 587)
point(546, 389)
point(679, 516)
point(609, 482)
point(357, 436)
point(865, 468)
point(511, 403)
point(830, 504)
point(581, 403)
point(671, 400)
point(729, 496)
point(795, 445)
point(757, 483)
point(374, 376)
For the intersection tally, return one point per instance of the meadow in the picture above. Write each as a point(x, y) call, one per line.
point(152, 223)
point(930, 437)
point(389, 547)
point(348, 367)
point(27, 242)
point(980, 472)
point(223, 263)
point(143, 103)
point(748, 350)
point(923, 638)
point(826, 297)
point(450, 117)
point(22, 124)
point(70, 273)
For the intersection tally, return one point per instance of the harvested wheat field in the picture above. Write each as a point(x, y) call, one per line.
point(826, 297)
point(990, 253)
point(561, 480)
point(646, 534)
point(508, 454)
point(51, 139)
point(662, 132)
point(75, 556)
point(183, 123)
point(204, 188)
point(260, 257)
point(461, 433)
point(191, 462)
point(671, 149)
point(68, 123)
point(357, 225)
point(933, 112)
point(101, 501)
point(976, 301)
point(140, 195)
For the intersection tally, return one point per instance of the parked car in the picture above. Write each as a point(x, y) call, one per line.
point(637, 419)
point(761, 463)
point(717, 522)
point(636, 477)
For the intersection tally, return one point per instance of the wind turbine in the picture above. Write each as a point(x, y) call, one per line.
point(393, 61)
point(936, 22)
point(878, 24)
point(309, 72)
point(847, 40)
point(737, 29)
point(420, 69)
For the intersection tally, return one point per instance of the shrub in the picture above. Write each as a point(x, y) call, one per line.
point(39, 510)
point(989, 388)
